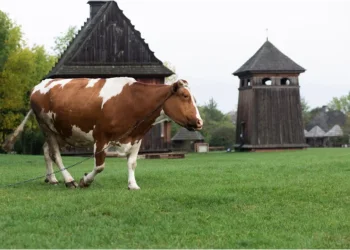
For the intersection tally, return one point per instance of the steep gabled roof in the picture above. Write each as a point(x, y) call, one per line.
point(315, 132)
point(185, 135)
point(335, 131)
point(269, 59)
point(108, 45)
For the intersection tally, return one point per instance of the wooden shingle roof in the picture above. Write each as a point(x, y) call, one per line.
point(185, 135)
point(269, 59)
point(108, 45)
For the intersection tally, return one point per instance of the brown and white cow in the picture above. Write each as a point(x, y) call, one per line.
point(101, 112)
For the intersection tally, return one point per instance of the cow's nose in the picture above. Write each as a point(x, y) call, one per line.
point(199, 123)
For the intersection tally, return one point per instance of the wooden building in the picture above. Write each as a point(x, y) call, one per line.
point(108, 45)
point(316, 137)
point(269, 112)
point(185, 140)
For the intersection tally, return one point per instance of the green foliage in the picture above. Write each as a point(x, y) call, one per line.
point(23, 68)
point(275, 200)
point(30, 142)
point(223, 136)
point(63, 40)
point(215, 121)
point(10, 37)
point(305, 108)
point(211, 111)
point(342, 103)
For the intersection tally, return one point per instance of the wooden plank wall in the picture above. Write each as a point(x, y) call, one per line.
point(245, 113)
point(279, 116)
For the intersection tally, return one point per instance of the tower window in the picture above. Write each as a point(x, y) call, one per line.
point(266, 81)
point(249, 83)
point(242, 83)
point(285, 81)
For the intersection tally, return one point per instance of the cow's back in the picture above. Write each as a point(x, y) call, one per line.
point(68, 105)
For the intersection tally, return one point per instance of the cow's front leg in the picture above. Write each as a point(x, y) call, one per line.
point(100, 155)
point(132, 158)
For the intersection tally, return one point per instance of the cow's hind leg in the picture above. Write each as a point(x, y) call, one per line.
point(132, 158)
point(56, 157)
point(50, 176)
point(100, 156)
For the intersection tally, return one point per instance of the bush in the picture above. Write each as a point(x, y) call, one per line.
point(30, 142)
point(223, 136)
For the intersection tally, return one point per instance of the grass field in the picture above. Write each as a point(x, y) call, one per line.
point(297, 199)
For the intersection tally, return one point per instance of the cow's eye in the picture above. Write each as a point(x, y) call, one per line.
point(185, 96)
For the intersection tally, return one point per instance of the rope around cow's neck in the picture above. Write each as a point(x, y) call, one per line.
point(130, 130)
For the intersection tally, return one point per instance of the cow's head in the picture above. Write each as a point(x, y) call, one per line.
point(181, 107)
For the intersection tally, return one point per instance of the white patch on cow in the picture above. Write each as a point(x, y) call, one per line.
point(41, 85)
point(95, 153)
point(132, 185)
point(113, 87)
point(161, 118)
point(49, 118)
point(79, 137)
point(89, 178)
point(122, 149)
point(198, 116)
point(52, 115)
point(58, 160)
point(92, 82)
point(44, 89)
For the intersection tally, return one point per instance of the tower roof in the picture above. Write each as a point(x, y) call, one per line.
point(108, 45)
point(269, 59)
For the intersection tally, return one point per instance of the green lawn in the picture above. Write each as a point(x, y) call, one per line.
point(296, 199)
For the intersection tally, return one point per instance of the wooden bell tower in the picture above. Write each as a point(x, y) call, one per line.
point(269, 114)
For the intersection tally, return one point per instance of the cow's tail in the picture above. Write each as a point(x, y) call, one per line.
point(11, 139)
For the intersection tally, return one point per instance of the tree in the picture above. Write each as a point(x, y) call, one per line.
point(62, 41)
point(342, 103)
point(305, 109)
point(217, 126)
point(211, 111)
point(223, 136)
point(23, 68)
point(10, 38)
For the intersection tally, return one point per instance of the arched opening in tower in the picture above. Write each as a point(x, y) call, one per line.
point(266, 81)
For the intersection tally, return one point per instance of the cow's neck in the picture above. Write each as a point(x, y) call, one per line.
point(148, 100)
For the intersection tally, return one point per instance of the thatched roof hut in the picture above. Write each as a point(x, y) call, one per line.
point(335, 132)
point(315, 132)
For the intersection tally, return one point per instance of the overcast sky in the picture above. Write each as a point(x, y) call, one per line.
point(207, 40)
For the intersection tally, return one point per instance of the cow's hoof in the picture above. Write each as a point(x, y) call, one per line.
point(71, 184)
point(52, 183)
point(82, 183)
point(134, 187)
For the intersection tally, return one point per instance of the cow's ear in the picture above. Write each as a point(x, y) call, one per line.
point(183, 83)
point(175, 86)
